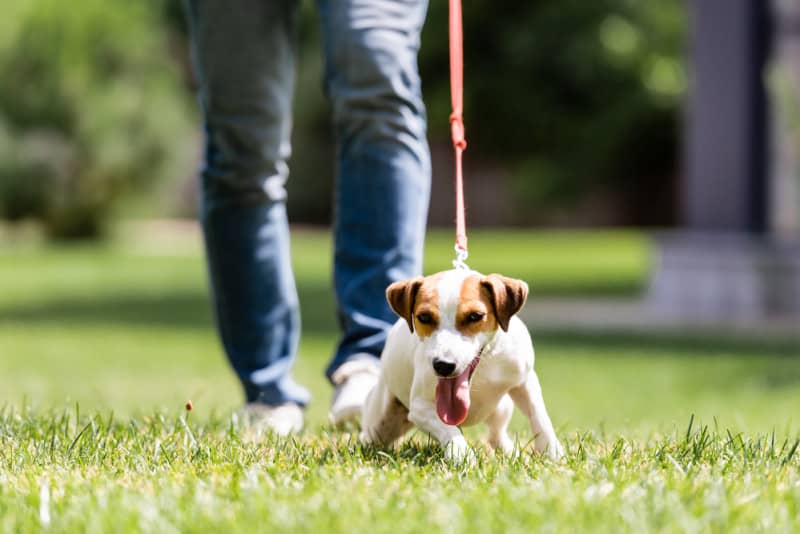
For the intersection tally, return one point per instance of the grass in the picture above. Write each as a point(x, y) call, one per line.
point(101, 346)
point(163, 474)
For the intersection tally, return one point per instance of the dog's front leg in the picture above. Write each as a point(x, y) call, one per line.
point(423, 415)
point(528, 397)
point(422, 412)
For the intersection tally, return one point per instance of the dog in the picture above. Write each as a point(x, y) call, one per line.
point(457, 356)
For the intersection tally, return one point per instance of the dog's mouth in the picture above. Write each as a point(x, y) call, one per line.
point(452, 395)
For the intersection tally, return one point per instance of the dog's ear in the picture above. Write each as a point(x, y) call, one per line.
point(401, 296)
point(507, 296)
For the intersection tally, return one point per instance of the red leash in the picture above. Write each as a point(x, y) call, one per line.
point(457, 125)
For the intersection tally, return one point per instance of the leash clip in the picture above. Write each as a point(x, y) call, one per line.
point(461, 258)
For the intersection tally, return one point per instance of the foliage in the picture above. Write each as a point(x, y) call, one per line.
point(90, 106)
point(574, 96)
point(569, 97)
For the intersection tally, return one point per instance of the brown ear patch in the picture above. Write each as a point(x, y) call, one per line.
point(401, 296)
point(475, 311)
point(507, 296)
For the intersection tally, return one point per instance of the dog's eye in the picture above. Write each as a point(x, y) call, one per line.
point(474, 317)
point(425, 318)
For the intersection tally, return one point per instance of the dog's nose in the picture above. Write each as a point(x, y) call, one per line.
point(443, 367)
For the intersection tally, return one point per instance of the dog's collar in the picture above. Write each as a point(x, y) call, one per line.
point(475, 361)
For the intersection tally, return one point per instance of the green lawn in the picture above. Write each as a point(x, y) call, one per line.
point(102, 345)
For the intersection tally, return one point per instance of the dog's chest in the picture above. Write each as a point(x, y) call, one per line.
point(489, 385)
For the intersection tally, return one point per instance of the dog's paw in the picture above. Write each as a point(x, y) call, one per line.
point(550, 446)
point(457, 451)
point(555, 451)
point(505, 446)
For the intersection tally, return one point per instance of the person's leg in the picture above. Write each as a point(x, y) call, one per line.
point(243, 54)
point(383, 174)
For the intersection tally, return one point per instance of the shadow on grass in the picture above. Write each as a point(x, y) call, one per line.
point(180, 309)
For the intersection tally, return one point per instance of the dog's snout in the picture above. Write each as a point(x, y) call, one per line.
point(443, 367)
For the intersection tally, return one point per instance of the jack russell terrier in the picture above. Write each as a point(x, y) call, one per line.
point(458, 356)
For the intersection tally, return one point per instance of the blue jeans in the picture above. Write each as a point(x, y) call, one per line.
point(243, 53)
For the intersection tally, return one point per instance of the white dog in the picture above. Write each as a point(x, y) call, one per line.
point(457, 357)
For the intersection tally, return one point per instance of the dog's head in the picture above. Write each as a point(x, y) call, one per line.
point(456, 314)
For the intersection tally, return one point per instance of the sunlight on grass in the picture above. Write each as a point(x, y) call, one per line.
point(164, 472)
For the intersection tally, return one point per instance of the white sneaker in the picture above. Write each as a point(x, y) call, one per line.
point(282, 419)
point(353, 380)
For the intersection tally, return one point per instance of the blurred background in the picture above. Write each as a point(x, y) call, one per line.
point(635, 162)
point(572, 113)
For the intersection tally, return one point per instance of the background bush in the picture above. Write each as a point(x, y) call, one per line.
point(576, 97)
point(91, 106)
point(571, 100)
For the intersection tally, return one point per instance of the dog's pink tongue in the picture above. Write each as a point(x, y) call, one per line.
point(452, 398)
